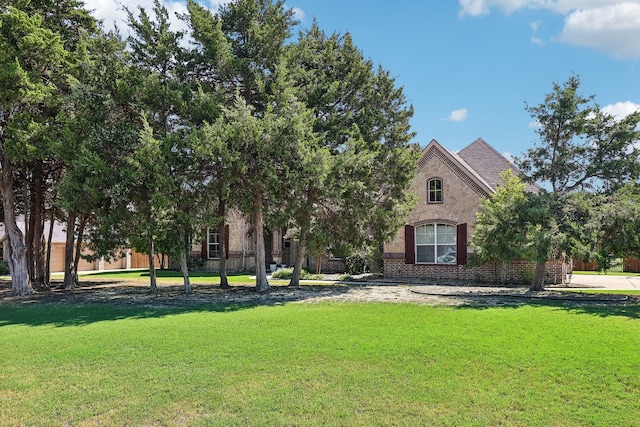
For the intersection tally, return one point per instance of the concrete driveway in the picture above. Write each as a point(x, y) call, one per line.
point(603, 281)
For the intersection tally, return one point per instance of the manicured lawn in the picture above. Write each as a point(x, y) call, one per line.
point(605, 291)
point(319, 364)
point(607, 273)
point(169, 276)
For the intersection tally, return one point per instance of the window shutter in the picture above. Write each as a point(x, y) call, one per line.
point(409, 245)
point(226, 241)
point(461, 244)
point(204, 249)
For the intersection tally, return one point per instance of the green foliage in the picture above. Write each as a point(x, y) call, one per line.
point(581, 146)
point(364, 261)
point(4, 267)
point(528, 275)
point(287, 274)
point(500, 223)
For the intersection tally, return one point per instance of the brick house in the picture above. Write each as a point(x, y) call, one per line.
point(434, 243)
point(240, 249)
point(129, 257)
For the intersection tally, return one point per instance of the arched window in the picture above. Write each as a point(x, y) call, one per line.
point(434, 189)
point(436, 244)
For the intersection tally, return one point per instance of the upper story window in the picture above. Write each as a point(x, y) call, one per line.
point(434, 189)
point(213, 244)
point(436, 244)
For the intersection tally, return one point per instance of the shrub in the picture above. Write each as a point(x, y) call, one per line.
point(4, 268)
point(356, 264)
point(364, 261)
point(287, 274)
point(528, 275)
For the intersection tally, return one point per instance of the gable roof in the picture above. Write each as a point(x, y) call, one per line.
point(489, 163)
point(458, 165)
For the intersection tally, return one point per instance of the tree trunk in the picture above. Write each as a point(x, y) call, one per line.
point(76, 260)
point(69, 259)
point(17, 251)
point(502, 265)
point(184, 266)
point(262, 285)
point(538, 281)
point(38, 232)
point(222, 234)
point(152, 267)
point(29, 230)
point(47, 267)
point(297, 266)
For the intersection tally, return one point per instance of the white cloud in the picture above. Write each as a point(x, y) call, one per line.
point(613, 29)
point(535, 25)
point(458, 115)
point(508, 156)
point(620, 110)
point(112, 12)
point(298, 13)
point(483, 7)
point(609, 26)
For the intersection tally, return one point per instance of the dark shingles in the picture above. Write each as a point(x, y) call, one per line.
point(488, 163)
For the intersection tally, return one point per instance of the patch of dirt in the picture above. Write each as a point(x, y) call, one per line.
point(418, 292)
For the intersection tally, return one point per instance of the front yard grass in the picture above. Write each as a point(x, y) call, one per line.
point(168, 276)
point(606, 273)
point(319, 364)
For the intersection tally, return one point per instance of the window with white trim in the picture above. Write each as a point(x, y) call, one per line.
point(213, 244)
point(434, 189)
point(436, 244)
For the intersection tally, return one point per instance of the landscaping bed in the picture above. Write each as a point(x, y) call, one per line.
point(131, 292)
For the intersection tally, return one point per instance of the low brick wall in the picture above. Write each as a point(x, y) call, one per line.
point(394, 267)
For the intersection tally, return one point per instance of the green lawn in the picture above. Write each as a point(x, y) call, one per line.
point(169, 276)
point(603, 291)
point(319, 364)
point(606, 273)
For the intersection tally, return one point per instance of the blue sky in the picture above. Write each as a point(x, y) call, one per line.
point(469, 66)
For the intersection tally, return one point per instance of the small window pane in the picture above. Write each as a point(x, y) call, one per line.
point(446, 234)
point(425, 253)
point(214, 244)
point(430, 234)
point(421, 235)
point(435, 191)
point(446, 254)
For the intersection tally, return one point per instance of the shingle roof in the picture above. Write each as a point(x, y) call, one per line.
point(488, 163)
point(459, 164)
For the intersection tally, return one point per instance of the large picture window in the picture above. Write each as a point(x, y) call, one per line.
point(213, 244)
point(435, 190)
point(436, 244)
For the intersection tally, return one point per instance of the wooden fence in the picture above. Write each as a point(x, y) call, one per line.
point(631, 265)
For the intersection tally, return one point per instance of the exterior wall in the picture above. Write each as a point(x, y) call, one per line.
point(136, 260)
point(395, 267)
point(327, 264)
point(461, 197)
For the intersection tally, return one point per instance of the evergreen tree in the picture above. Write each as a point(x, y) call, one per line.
point(362, 163)
point(581, 148)
point(32, 57)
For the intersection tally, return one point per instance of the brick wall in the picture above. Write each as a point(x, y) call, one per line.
point(394, 267)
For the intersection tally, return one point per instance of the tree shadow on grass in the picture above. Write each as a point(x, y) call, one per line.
point(107, 300)
point(601, 305)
